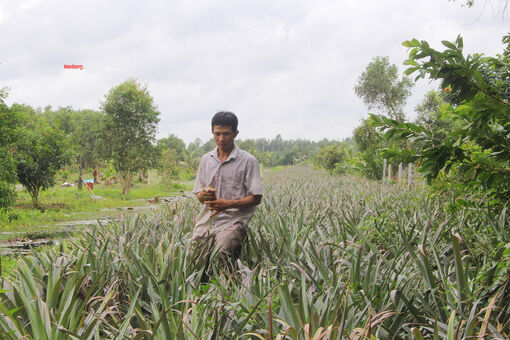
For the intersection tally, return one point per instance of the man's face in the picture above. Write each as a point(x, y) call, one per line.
point(224, 137)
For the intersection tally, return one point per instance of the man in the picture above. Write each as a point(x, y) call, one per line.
point(228, 185)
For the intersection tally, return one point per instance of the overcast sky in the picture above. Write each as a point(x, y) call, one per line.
point(283, 66)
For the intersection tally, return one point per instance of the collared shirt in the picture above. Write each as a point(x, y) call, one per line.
point(237, 177)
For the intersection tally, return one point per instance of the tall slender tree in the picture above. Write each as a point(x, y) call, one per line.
point(129, 130)
point(380, 86)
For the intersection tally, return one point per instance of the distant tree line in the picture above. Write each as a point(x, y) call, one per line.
point(271, 152)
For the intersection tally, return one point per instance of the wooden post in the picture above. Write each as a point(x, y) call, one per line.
point(409, 174)
point(384, 170)
point(400, 173)
point(389, 173)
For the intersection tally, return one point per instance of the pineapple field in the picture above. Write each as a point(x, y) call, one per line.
point(327, 257)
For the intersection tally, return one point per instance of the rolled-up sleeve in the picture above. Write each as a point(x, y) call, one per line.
point(253, 182)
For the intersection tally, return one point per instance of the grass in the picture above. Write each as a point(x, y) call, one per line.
point(327, 258)
point(61, 204)
point(8, 264)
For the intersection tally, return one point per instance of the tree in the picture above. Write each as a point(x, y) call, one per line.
point(128, 130)
point(191, 160)
point(368, 142)
point(329, 156)
point(430, 114)
point(82, 126)
point(479, 147)
point(195, 145)
point(366, 137)
point(174, 143)
point(10, 130)
point(379, 86)
point(40, 153)
point(290, 156)
point(168, 168)
point(84, 137)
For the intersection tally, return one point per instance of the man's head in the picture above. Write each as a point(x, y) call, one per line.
point(225, 118)
point(224, 129)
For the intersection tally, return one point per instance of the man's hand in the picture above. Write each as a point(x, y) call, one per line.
point(206, 194)
point(220, 204)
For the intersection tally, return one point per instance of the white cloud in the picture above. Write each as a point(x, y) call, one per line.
point(29, 4)
point(4, 14)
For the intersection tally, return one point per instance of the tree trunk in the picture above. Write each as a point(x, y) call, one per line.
point(80, 180)
point(35, 198)
point(127, 180)
point(96, 175)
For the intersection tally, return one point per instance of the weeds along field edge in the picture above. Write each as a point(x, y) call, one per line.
point(327, 258)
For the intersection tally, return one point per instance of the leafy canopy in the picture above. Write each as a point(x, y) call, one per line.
point(40, 153)
point(82, 126)
point(129, 130)
point(480, 106)
point(379, 86)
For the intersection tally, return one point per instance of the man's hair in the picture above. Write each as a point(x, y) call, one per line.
point(224, 118)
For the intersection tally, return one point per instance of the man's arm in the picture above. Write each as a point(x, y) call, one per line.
point(245, 202)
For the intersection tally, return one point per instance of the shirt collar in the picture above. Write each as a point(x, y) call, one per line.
point(233, 153)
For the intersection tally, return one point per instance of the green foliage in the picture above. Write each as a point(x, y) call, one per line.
point(379, 86)
point(368, 141)
point(270, 152)
point(370, 164)
point(366, 137)
point(191, 160)
point(433, 116)
point(479, 105)
point(277, 151)
point(85, 135)
point(168, 168)
point(40, 153)
point(10, 126)
point(174, 143)
point(129, 129)
point(332, 157)
point(82, 126)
